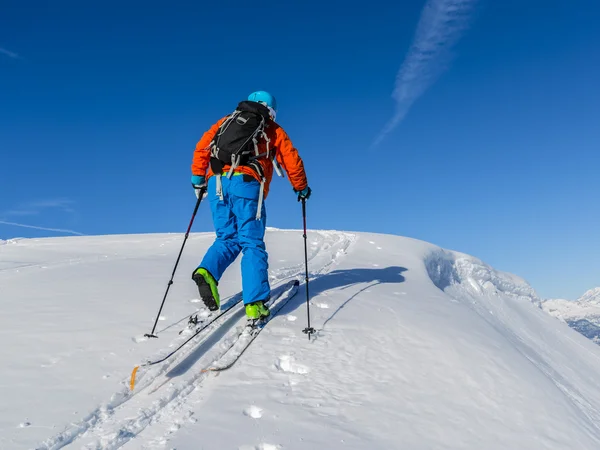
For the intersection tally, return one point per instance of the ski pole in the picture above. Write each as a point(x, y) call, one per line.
point(187, 233)
point(308, 330)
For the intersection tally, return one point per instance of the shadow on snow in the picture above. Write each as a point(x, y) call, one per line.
point(344, 279)
point(215, 337)
point(338, 279)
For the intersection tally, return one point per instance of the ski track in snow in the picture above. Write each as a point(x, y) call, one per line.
point(158, 400)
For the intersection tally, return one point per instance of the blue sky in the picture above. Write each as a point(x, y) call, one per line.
point(101, 107)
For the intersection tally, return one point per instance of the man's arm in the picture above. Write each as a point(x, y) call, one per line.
point(202, 153)
point(288, 158)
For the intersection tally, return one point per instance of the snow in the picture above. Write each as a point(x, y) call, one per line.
point(592, 296)
point(417, 347)
point(583, 315)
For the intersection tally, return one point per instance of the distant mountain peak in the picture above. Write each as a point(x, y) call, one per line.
point(591, 296)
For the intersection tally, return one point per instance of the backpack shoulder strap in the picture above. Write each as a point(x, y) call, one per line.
point(223, 128)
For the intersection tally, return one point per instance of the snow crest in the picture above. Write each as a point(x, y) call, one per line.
point(469, 274)
point(512, 308)
point(10, 241)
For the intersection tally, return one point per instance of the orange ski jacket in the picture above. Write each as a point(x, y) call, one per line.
point(285, 153)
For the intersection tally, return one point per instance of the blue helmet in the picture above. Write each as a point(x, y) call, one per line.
point(265, 98)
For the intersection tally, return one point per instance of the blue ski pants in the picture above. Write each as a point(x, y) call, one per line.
point(238, 231)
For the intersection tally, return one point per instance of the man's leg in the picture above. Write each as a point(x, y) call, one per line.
point(251, 233)
point(224, 249)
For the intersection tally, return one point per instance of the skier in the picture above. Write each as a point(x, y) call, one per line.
point(240, 152)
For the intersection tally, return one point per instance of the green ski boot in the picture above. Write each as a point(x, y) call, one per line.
point(257, 310)
point(207, 287)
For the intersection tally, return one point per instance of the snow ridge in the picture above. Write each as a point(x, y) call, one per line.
point(10, 241)
point(474, 276)
point(505, 302)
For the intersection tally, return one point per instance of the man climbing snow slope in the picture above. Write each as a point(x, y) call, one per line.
point(237, 156)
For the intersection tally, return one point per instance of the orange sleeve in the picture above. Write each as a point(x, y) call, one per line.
point(202, 152)
point(288, 157)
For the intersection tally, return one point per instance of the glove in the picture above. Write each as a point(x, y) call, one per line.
point(199, 184)
point(304, 194)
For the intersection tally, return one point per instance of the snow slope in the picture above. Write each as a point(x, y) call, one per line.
point(583, 315)
point(418, 348)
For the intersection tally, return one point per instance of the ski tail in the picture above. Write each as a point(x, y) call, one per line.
point(132, 380)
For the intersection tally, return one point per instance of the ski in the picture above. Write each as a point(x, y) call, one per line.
point(194, 321)
point(208, 324)
point(203, 326)
point(252, 329)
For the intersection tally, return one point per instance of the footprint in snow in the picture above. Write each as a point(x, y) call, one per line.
point(138, 339)
point(263, 446)
point(287, 363)
point(253, 411)
point(24, 424)
point(51, 362)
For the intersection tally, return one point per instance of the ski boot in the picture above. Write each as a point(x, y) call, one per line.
point(207, 287)
point(257, 310)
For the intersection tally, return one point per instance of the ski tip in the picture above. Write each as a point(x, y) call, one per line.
point(132, 380)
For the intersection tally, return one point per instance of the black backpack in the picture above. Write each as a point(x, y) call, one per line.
point(236, 141)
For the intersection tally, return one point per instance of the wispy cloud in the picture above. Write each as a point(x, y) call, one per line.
point(441, 25)
point(57, 230)
point(9, 53)
point(36, 208)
